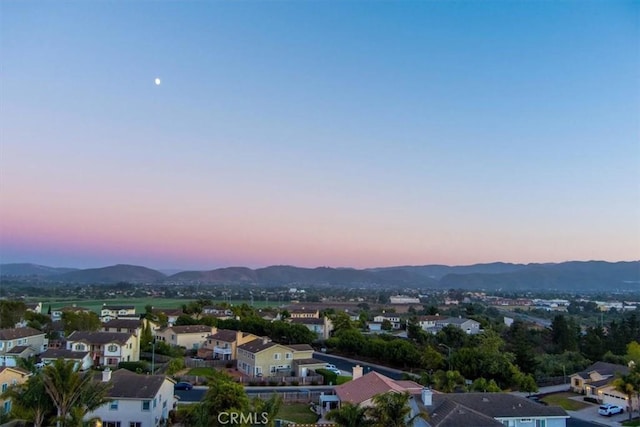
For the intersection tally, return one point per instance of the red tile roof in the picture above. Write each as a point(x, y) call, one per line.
point(367, 386)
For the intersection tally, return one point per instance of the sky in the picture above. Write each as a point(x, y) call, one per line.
point(318, 133)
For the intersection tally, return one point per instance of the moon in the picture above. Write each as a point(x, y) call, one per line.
point(157, 81)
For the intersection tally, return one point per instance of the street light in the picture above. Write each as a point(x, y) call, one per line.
point(448, 348)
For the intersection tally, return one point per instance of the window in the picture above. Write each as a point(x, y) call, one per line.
point(14, 381)
point(276, 356)
point(288, 356)
point(111, 424)
point(4, 387)
point(135, 424)
point(155, 401)
point(113, 405)
point(146, 405)
point(541, 423)
point(7, 406)
point(79, 347)
point(112, 348)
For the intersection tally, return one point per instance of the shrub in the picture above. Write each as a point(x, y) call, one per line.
point(329, 377)
point(139, 367)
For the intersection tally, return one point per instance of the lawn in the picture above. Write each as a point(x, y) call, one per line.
point(201, 372)
point(343, 379)
point(563, 400)
point(297, 412)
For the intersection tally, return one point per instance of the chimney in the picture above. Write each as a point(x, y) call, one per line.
point(238, 337)
point(427, 396)
point(357, 372)
point(106, 375)
point(265, 340)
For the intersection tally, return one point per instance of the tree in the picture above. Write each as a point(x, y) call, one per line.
point(350, 415)
point(223, 395)
point(269, 407)
point(633, 352)
point(387, 325)
point(628, 385)
point(80, 321)
point(448, 381)
point(11, 312)
point(393, 410)
point(30, 401)
point(70, 389)
point(341, 322)
point(528, 383)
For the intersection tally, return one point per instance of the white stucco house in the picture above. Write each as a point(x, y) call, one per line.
point(136, 400)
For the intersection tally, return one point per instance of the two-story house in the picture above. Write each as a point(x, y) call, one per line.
point(322, 327)
point(129, 326)
point(191, 337)
point(10, 376)
point(18, 343)
point(109, 312)
point(216, 311)
point(469, 326)
point(56, 315)
point(135, 400)
point(106, 348)
point(596, 381)
point(264, 358)
point(223, 344)
point(393, 318)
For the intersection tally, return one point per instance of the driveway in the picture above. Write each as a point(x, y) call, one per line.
point(591, 414)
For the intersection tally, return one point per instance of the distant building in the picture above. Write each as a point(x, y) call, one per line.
point(106, 348)
point(110, 312)
point(304, 313)
point(403, 299)
point(191, 337)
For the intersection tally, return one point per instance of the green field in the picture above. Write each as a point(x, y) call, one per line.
point(139, 303)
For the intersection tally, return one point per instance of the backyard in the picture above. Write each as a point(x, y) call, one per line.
point(566, 401)
point(297, 412)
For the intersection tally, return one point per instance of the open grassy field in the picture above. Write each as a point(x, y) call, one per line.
point(139, 303)
point(297, 412)
point(563, 400)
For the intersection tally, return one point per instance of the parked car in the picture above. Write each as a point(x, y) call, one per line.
point(183, 385)
point(608, 409)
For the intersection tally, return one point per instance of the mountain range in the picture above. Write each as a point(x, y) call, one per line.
point(565, 276)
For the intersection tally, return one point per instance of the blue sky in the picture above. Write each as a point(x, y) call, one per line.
point(319, 133)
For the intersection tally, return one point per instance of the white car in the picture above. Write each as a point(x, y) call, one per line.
point(608, 409)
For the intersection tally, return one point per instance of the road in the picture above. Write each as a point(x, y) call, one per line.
point(197, 393)
point(345, 364)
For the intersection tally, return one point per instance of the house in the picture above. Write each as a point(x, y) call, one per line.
point(303, 361)
point(429, 322)
point(395, 320)
point(10, 376)
point(171, 313)
point(322, 327)
point(187, 336)
point(469, 326)
point(223, 344)
point(20, 343)
point(56, 315)
point(596, 381)
point(597, 375)
point(106, 348)
point(217, 311)
point(304, 313)
point(505, 409)
point(109, 312)
point(129, 326)
point(135, 400)
point(264, 358)
point(35, 307)
point(362, 388)
point(81, 358)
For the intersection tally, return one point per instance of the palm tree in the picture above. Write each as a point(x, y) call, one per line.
point(350, 415)
point(628, 385)
point(69, 389)
point(270, 407)
point(392, 410)
point(30, 401)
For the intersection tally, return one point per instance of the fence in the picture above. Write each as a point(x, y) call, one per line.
point(549, 381)
point(160, 358)
point(276, 381)
point(290, 396)
point(199, 363)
